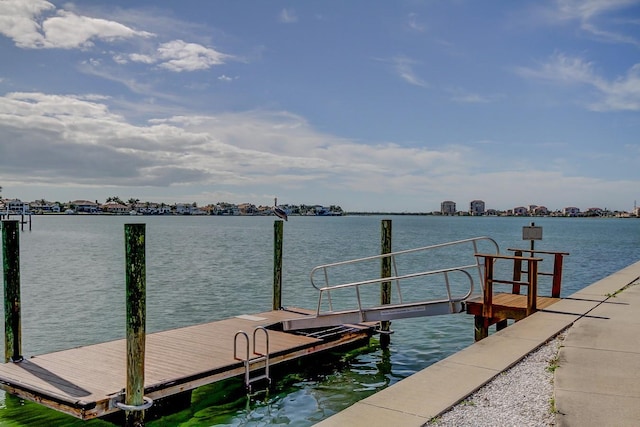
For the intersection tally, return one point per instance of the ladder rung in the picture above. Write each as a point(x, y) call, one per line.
point(258, 378)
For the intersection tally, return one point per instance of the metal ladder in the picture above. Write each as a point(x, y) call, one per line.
point(257, 357)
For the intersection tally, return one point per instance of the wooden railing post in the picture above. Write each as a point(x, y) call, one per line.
point(11, 273)
point(385, 287)
point(278, 227)
point(487, 305)
point(557, 275)
point(136, 320)
point(517, 272)
point(532, 295)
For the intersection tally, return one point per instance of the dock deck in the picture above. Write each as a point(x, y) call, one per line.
point(86, 381)
point(505, 305)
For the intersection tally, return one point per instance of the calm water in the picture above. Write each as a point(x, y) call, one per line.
point(200, 269)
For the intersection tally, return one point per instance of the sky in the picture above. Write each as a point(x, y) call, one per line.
point(371, 105)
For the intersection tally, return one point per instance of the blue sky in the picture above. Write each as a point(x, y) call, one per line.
point(370, 105)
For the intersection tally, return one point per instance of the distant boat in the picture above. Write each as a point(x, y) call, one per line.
point(280, 213)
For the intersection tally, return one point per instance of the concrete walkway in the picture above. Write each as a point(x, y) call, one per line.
point(598, 379)
point(597, 382)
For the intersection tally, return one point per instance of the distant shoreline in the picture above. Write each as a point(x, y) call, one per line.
point(4, 215)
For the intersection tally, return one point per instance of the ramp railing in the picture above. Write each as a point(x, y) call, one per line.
point(412, 270)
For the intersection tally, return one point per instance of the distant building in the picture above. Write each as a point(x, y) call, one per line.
point(149, 208)
point(247, 209)
point(16, 206)
point(86, 206)
point(571, 211)
point(476, 207)
point(42, 206)
point(520, 211)
point(448, 207)
point(540, 211)
point(594, 212)
point(184, 208)
point(115, 208)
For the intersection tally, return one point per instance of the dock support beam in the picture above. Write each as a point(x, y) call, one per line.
point(136, 318)
point(11, 273)
point(385, 287)
point(278, 227)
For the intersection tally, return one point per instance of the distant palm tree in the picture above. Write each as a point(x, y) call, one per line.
point(115, 199)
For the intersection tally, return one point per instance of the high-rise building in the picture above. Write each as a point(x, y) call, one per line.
point(448, 207)
point(476, 207)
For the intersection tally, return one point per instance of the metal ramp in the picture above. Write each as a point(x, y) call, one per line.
point(435, 291)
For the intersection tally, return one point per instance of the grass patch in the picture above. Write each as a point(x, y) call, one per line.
point(468, 402)
point(554, 363)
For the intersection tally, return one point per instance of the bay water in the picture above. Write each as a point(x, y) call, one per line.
point(201, 269)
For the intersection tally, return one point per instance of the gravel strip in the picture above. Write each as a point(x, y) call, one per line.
point(521, 396)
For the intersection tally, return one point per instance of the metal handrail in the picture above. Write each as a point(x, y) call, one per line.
point(444, 272)
point(397, 278)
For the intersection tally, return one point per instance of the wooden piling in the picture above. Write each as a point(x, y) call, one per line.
point(278, 227)
point(11, 273)
point(385, 271)
point(135, 266)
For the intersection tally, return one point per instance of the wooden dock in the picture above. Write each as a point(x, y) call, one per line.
point(86, 382)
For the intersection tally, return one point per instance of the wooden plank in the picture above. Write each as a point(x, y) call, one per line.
point(507, 301)
point(82, 381)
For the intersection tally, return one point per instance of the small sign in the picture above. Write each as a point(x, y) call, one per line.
point(531, 233)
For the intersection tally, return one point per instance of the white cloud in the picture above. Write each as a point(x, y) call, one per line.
point(18, 21)
point(622, 93)
point(404, 68)
point(562, 68)
point(68, 30)
point(178, 56)
point(78, 139)
point(145, 59)
point(414, 24)
point(592, 16)
point(288, 16)
point(465, 97)
point(21, 21)
point(589, 9)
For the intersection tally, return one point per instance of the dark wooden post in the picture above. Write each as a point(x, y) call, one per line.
point(385, 287)
point(136, 318)
point(481, 328)
point(532, 296)
point(517, 271)
point(557, 275)
point(482, 322)
point(277, 264)
point(11, 269)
